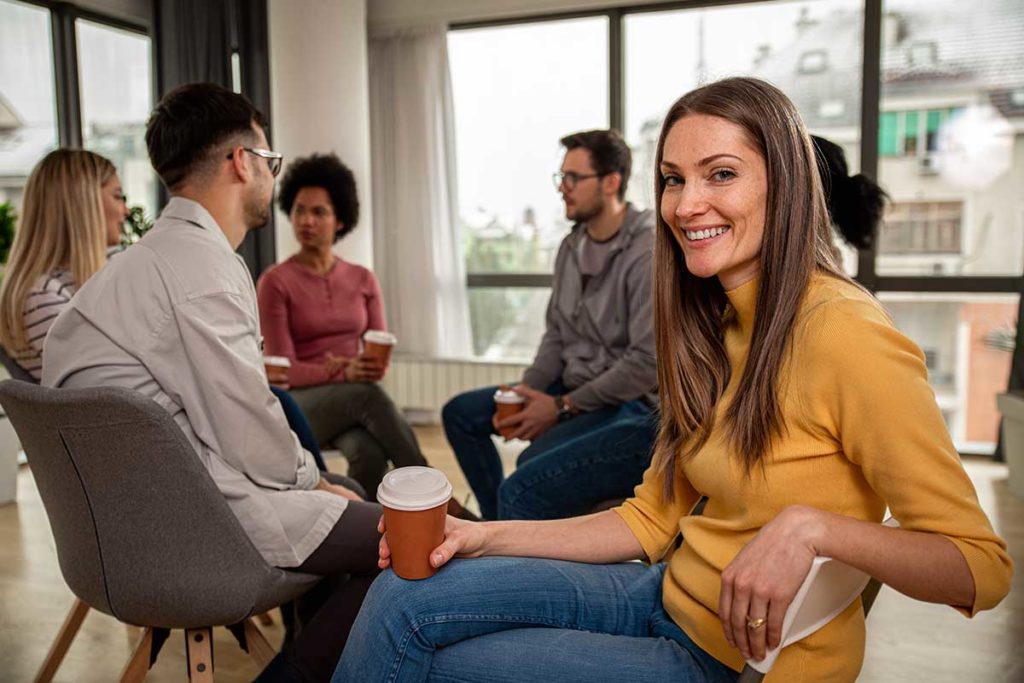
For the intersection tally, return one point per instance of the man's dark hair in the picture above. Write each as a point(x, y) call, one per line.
point(609, 153)
point(325, 171)
point(189, 122)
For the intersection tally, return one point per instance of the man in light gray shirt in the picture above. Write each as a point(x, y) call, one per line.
point(175, 319)
point(591, 407)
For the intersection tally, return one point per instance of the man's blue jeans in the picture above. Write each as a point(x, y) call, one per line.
point(565, 472)
point(501, 619)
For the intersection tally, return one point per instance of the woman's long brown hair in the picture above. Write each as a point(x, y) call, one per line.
point(689, 312)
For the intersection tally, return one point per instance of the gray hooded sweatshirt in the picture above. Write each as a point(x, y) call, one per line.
point(600, 338)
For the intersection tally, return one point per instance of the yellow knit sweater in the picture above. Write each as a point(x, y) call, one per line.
point(862, 432)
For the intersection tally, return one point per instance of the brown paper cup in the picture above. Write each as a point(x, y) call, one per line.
point(411, 537)
point(276, 368)
point(415, 501)
point(378, 344)
point(506, 404)
point(504, 410)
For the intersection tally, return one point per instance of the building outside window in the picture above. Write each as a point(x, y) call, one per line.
point(28, 111)
point(517, 90)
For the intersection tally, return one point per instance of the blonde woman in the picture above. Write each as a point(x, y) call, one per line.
point(72, 213)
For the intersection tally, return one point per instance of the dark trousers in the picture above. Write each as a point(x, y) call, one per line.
point(566, 471)
point(347, 559)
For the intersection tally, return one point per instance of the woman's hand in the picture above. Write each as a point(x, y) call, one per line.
point(337, 489)
point(335, 364)
point(363, 369)
point(461, 539)
point(764, 577)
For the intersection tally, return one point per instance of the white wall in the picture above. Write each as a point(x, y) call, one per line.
point(320, 100)
point(384, 15)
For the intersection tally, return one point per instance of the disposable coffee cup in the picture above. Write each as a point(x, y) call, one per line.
point(507, 403)
point(415, 501)
point(378, 344)
point(277, 368)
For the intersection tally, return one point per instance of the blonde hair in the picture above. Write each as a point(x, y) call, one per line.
point(61, 227)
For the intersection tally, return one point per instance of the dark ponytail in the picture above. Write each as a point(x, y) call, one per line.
point(855, 203)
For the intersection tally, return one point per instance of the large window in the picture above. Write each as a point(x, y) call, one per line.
point(951, 138)
point(963, 340)
point(927, 96)
point(115, 73)
point(28, 114)
point(810, 50)
point(517, 90)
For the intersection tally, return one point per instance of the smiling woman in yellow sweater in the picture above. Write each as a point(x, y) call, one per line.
point(788, 399)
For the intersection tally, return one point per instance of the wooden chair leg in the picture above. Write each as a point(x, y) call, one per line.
point(62, 642)
point(199, 651)
point(266, 619)
point(259, 649)
point(137, 667)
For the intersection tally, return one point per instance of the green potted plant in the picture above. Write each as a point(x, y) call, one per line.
point(135, 226)
point(8, 217)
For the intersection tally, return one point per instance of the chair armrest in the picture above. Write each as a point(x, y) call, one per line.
point(828, 589)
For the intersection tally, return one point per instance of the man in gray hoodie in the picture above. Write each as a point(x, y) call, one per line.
point(591, 406)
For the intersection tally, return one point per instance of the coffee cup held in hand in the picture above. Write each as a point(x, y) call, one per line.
point(415, 501)
point(277, 369)
point(506, 404)
point(377, 344)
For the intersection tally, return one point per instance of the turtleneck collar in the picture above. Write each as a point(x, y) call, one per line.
point(743, 301)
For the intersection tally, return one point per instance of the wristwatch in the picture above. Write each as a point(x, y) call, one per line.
point(564, 411)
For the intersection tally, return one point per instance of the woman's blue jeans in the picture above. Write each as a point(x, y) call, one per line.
point(300, 425)
point(564, 472)
point(498, 620)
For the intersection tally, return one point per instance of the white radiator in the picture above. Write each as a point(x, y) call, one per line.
point(421, 386)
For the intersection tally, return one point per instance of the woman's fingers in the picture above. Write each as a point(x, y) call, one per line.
point(383, 553)
point(725, 607)
point(773, 630)
point(440, 555)
point(757, 615)
point(738, 617)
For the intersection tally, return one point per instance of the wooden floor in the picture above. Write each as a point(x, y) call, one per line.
point(907, 640)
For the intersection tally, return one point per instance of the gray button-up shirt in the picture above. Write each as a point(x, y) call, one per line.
point(174, 318)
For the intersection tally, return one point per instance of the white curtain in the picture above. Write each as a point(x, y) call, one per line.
point(417, 251)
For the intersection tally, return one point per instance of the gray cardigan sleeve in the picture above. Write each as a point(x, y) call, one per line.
point(635, 373)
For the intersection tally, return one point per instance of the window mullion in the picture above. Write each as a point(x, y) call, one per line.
point(65, 66)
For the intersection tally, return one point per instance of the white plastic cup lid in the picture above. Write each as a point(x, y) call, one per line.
point(278, 361)
point(414, 488)
point(508, 397)
point(380, 337)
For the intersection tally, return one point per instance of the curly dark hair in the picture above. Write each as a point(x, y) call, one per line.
point(325, 171)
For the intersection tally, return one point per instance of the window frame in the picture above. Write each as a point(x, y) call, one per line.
point(871, 86)
point(66, 77)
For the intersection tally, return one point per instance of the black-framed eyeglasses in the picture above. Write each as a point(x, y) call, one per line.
point(570, 178)
point(274, 159)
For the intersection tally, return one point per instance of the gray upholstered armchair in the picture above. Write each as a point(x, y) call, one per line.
point(141, 531)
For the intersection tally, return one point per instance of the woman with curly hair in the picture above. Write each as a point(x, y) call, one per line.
point(315, 308)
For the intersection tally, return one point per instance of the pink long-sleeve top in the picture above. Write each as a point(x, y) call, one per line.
point(305, 316)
